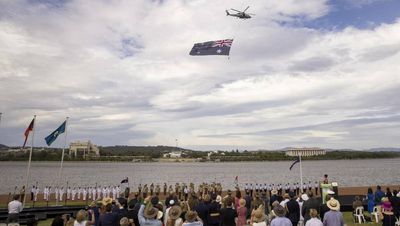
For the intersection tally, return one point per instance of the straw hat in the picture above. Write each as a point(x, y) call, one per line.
point(259, 215)
point(274, 192)
point(106, 201)
point(333, 204)
point(175, 212)
point(218, 199)
point(279, 211)
point(159, 215)
point(150, 212)
point(242, 202)
point(124, 221)
point(330, 192)
point(191, 216)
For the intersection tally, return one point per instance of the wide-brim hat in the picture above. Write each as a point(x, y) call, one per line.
point(274, 192)
point(286, 196)
point(150, 212)
point(279, 211)
point(175, 212)
point(191, 216)
point(330, 192)
point(218, 199)
point(304, 197)
point(106, 201)
point(259, 215)
point(333, 204)
point(160, 214)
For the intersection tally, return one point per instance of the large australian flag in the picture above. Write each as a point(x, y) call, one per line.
point(53, 136)
point(219, 47)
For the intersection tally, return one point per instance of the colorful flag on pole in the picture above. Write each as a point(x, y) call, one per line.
point(219, 47)
point(53, 136)
point(124, 181)
point(294, 163)
point(30, 128)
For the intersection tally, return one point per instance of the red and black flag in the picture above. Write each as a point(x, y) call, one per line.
point(30, 128)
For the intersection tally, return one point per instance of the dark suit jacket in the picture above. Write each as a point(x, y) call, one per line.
point(293, 209)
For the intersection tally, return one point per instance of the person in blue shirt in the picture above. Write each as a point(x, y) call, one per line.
point(379, 194)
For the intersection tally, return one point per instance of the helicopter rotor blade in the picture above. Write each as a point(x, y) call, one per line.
point(246, 8)
point(236, 10)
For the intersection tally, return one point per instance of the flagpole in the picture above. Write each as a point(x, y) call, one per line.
point(301, 174)
point(63, 150)
point(30, 159)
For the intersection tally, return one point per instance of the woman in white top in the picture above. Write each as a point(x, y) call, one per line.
point(80, 218)
point(314, 221)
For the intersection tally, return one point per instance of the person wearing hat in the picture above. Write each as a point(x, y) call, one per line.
point(228, 214)
point(387, 217)
point(109, 218)
point(148, 214)
point(213, 216)
point(324, 207)
point(274, 196)
point(174, 218)
point(293, 209)
point(333, 217)
point(192, 219)
point(311, 203)
point(258, 217)
point(286, 199)
point(280, 219)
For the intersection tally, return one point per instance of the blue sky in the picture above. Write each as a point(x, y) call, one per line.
point(313, 73)
point(359, 14)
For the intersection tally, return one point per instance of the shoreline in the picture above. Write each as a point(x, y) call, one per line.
point(191, 160)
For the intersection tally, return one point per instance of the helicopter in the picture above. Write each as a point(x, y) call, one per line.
point(240, 14)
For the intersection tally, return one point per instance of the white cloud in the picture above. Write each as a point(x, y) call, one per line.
point(121, 71)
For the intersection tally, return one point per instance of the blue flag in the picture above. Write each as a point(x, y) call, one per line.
point(53, 136)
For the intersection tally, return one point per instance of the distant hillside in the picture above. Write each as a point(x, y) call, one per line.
point(383, 149)
point(2, 146)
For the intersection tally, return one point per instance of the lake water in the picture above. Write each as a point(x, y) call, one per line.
point(345, 172)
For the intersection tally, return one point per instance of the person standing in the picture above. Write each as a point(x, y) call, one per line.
point(293, 210)
point(228, 214)
point(22, 193)
point(311, 203)
point(280, 219)
point(333, 217)
point(14, 208)
point(314, 221)
point(33, 191)
point(378, 195)
point(241, 213)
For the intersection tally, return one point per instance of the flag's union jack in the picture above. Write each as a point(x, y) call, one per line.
point(222, 43)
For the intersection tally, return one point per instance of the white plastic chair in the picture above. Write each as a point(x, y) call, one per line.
point(13, 224)
point(397, 223)
point(359, 215)
point(375, 214)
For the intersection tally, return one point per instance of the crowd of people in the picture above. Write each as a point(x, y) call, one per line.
point(209, 206)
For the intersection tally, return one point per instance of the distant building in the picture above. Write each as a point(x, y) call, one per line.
point(83, 149)
point(305, 152)
point(173, 154)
